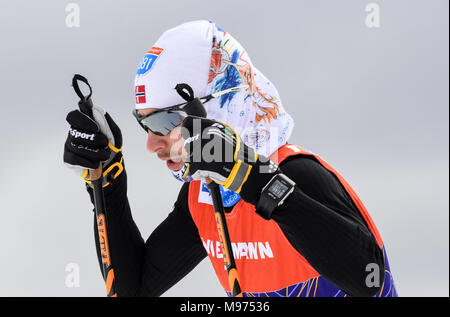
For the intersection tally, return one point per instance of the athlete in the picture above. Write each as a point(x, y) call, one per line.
point(297, 228)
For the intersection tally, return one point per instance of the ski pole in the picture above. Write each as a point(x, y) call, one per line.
point(222, 228)
point(197, 109)
point(85, 104)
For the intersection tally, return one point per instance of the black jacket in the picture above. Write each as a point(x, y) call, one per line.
point(319, 204)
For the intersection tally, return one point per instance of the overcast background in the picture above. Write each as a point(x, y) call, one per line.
point(373, 102)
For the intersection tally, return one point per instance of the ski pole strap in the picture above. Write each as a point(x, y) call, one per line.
point(76, 78)
point(193, 106)
point(85, 102)
point(185, 91)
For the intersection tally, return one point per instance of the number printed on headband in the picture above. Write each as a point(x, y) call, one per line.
point(148, 60)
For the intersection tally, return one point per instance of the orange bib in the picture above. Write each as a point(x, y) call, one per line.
point(265, 260)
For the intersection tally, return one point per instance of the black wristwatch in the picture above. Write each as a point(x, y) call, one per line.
point(274, 194)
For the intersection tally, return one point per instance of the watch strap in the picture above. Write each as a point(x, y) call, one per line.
point(266, 206)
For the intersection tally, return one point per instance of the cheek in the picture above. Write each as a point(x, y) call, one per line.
point(155, 143)
point(176, 140)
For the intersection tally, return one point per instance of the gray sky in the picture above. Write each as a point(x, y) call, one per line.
point(373, 102)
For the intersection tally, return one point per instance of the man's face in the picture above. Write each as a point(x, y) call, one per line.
point(169, 147)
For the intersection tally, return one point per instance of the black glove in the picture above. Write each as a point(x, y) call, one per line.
point(90, 142)
point(215, 150)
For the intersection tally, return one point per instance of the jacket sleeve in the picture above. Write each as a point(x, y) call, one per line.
point(321, 222)
point(148, 268)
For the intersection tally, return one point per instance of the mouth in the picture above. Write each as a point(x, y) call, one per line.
point(174, 165)
point(174, 159)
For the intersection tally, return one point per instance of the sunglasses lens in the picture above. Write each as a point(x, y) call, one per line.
point(161, 123)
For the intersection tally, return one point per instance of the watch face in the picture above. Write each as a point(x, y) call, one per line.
point(278, 189)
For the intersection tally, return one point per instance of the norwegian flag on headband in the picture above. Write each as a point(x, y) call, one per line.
point(140, 94)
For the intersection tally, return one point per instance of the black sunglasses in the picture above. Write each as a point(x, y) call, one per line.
point(163, 121)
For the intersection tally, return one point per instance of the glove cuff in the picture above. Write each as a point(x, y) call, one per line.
point(261, 173)
point(110, 172)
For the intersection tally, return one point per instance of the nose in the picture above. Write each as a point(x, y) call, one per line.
point(155, 143)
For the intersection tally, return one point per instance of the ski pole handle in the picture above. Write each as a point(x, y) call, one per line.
point(230, 264)
point(85, 104)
